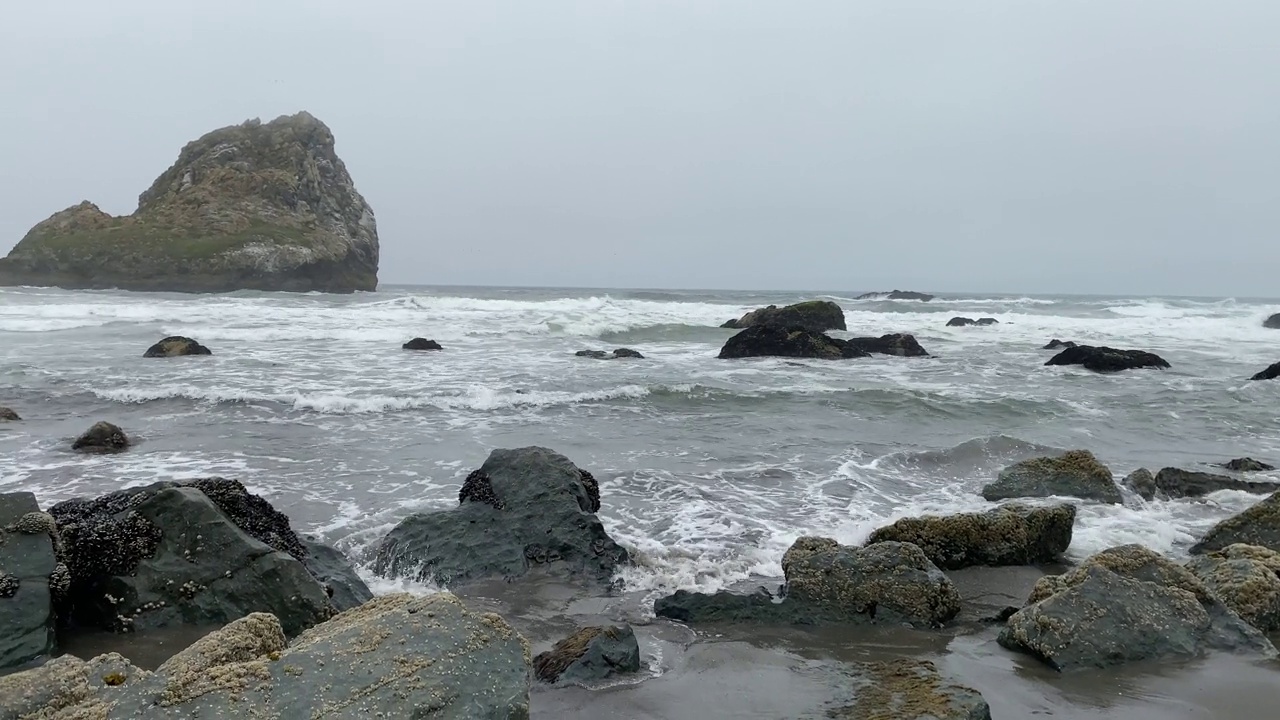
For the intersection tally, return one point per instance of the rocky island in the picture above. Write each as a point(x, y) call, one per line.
point(255, 206)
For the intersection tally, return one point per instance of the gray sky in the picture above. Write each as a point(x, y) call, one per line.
point(1091, 146)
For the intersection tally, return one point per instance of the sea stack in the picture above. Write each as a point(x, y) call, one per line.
point(255, 206)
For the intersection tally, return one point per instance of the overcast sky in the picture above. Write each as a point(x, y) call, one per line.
point(1090, 146)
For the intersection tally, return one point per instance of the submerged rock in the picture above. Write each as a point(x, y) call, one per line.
point(986, 321)
point(617, 354)
point(1248, 464)
point(27, 563)
point(908, 689)
point(1142, 482)
point(896, 295)
point(1175, 483)
point(523, 508)
point(195, 553)
point(175, 346)
point(103, 437)
point(961, 321)
point(1247, 579)
point(1258, 525)
point(1011, 534)
point(421, 344)
point(7, 415)
point(1272, 322)
point(889, 582)
point(896, 344)
point(1076, 473)
point(768, 341)
point(1055, 343)
point(257, 206)
point(1271, 373)
point(590, 655)
point(1105, 359)
point(816, 316)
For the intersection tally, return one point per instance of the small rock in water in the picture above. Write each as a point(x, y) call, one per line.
point(1076, 473)
point(7, 415)
point(627, 353)
point(1011, 534)
point(1142, 482)
point(1105, 359)
point(617, 354)
point(103, 437)
point(1271, 373)
point(1055, 343)
point(422, 344)
point(590, 655)
point(960, 321)
point(1247, 464)
point(1176, 483)
point(176, 346)
point(899, 344)
point(987, 321)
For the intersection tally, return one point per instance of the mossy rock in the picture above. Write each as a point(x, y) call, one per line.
point(1076, 473)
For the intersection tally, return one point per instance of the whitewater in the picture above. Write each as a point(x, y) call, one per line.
point(709, 469)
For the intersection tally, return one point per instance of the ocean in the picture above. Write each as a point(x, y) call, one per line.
point(709, 468)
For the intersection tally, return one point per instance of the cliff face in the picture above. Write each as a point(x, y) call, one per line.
point(254, 206)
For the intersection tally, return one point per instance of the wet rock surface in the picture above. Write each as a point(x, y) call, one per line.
point(591, 655)
point(523, 508)
point(618, 354)
point(27, 563)
point(176, 346)
point(768, 341)
point(336, 574)
point(68, 688)
point(1011, 534)
point(908, 689)
point(103, 437)
point(1247, 464)
point(1247, 579)
point(1076, 473)
point(816, 316)
point(1107, 360)
point(898, 344)
point(7, 415)
point(1141, 482)
point(1270, 373)
point(1177, 483)
point(422, 344)
point(1055, 343)
point(1257, 525)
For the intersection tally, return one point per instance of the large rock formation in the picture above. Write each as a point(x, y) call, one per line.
point(888, 582)
point(253, 206)
point(797, 342)
point(28, 569)
point(523, 508)
point(1105, 359)
point(1258, 525)
point(1076, 473)
point(397, 656)
point(1176, 483)
point(899, 344)
point(1011, 534)
point(815, 315)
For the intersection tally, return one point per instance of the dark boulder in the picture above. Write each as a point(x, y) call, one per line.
point(986, 321)
point(422, 344)
point(1011, 534)
point(1142, 482)
point(1055, 343)
point(1076, 473)
point(889, 582)
point(816, 316)
point(618, 354)
point(103, 437)
point(898, 344)
point(906, 688)
point(1257, 525)
point(28, 568)
point(200, 553)
point(523, 508)
point(896, 295)
point(591, 655)
point(1272, 322)
point(960, 321)
point(1247, 464)
point(627, 353)
point(1175, 483)
point(767, 341)
point(335, 572)
point(1247, 579)
point(1271, 373)
point(1103, 619)
point(1105, 359)
point(596, 354)
point(7, 415)
point(175, 346)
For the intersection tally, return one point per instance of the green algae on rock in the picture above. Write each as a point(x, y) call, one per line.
point(255, 206)
point(906, 688)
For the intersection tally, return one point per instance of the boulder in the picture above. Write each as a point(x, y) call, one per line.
point(1055, 343)
point(1076, 473)
point(1142, 482)
point(1105, 619)
point(256, 206)
point(103, 437)
point(523, 508)
point(175, 346)
point(627, 353)
point(341, 584)
point(816, 316)
point(1011, 534)
point(421, 344)
point(7, 415)
point(1105, 359)
point(1271, 373)
point(960, 321)
point(195, 553)
point(768, 341)
point(1247, 579)
point(68, 688)
point(1272, 322)
point(908, 689)
point(617, 354)
point(889, 582)
point(397, 656)
point(1258, 525)
point(896, 295)
point(28, 566)
point(1130, 561)
point(1175, 483)
point(1248, 464)
point(590, 655)
point(986, 321)
point(895, 344)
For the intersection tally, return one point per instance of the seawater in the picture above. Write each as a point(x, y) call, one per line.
point(709, 469)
